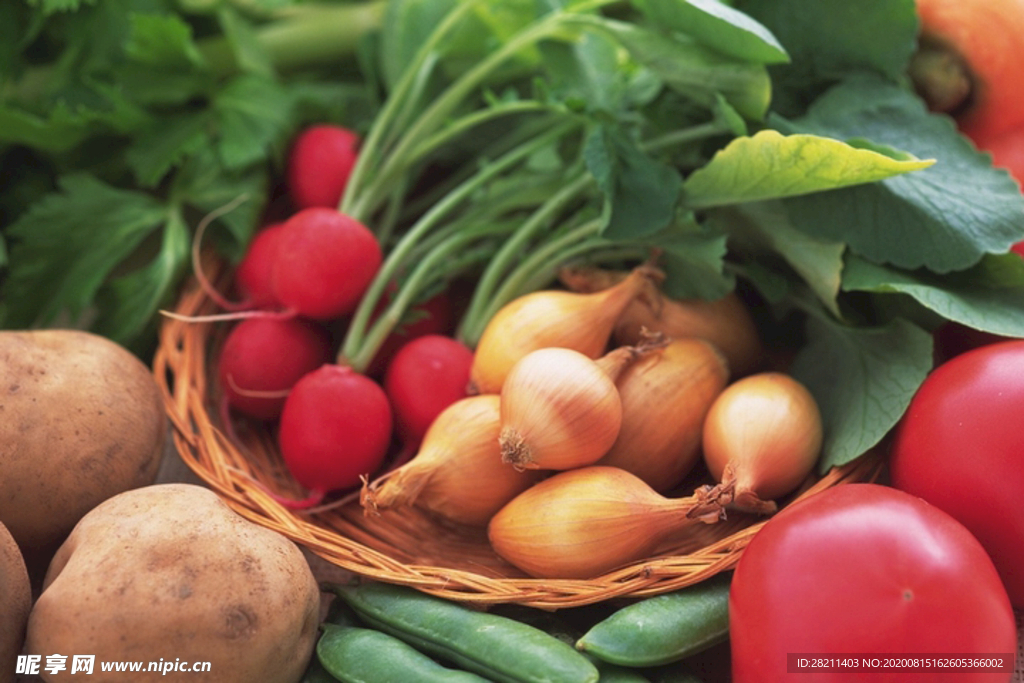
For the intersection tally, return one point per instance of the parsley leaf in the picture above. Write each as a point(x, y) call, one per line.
point(254, 116)
point(128, 304)
point(65, 245)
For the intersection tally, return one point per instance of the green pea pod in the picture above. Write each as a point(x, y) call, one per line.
point(363, 655)
point(664, 628)
point(493, 646)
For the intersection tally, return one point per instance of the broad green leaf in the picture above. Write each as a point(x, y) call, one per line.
point(765, 227)
point(255, 117)
point(65, 246)
point(862, 379)
point(988, 297)
point(829, 40)
point(718, 26)
point(690, 68)
point(943, 218)
point(129, 303)
point(163, 41)
point(166, 144)
point(640, 192)
point(769, 165)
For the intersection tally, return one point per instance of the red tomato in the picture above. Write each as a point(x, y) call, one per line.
point(960, 446)
point(865, 568)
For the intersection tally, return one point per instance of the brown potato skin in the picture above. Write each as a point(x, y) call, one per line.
point(81, 419)
point(15, 603)
point(170, 571)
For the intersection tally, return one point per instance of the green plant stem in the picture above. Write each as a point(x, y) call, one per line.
point(397, 258)
point(482, 305)
point(684, 136)
point(372, 147)
point(398, 158)
point(512, 250)
point(494, 148)
point(320, 34)
point(425, 275)
point(526, 274)
point(389, 173)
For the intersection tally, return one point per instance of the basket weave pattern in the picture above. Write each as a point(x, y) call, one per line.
point(406, 546)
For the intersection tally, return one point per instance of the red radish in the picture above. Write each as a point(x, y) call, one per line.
point(252, 277)
point(335, 427)
point(319, 165)
point(433, 316)
point(426, 376)
point(326, 261)
point(262, 358)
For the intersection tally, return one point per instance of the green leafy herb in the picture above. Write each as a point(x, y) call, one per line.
point(718, 26)
point(830, 40)
point(769, 165)
point(771, 146)
point(863, 379)
point(765, 228)
point(943, 218)
point(640, 193)
point(64, 253)
point(989, 296)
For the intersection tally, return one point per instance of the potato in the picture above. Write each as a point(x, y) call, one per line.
point(170, 572)
point(81, 419)
point(15, 602)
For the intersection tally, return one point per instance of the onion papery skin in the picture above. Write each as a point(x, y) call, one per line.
point(582, 523)
point(550, 318)
point(665, 398)
point(458, 473)
point(559, 410)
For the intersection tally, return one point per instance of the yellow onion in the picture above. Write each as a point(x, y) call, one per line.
point(582, 523)
point(551, 318)
point(561, 409)
point(457, 472)
point(665, 397)
point(725, 322)
point(761, 439)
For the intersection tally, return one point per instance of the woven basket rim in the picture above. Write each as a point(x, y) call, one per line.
point(181, 372)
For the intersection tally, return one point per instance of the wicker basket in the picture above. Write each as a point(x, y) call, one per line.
point(407, 546)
